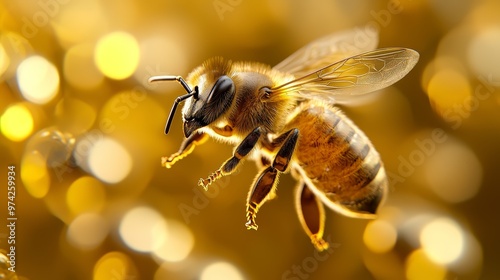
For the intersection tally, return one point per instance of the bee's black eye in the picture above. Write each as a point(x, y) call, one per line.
point(221, 91)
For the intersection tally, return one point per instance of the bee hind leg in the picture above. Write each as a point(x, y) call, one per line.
point(186, 148)
point(311, 214)
point(229, 166)
point(264, 185)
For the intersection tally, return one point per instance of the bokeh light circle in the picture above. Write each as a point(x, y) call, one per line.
point(109, 160)
point(115, 265)
point(178, 243)
point(420, 267)
point(380, 236)
point(454, 172)
point(87, 231)
point(483, 55)
point(38, 79)
point(221, 271)
point(448, 88)
point(442, 240)
point(86, 194)
point(34, 174)
point(117, 55)
point(143, 229)
point(16, 123)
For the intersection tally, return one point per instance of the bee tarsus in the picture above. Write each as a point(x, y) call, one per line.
point(186, 148)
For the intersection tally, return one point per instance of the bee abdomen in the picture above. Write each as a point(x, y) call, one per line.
point(338, 158)
point(366, 184)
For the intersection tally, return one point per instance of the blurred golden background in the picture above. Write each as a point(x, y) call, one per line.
point(82, 131)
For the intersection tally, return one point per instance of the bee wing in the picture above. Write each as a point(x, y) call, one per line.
point(333, 47)
point(356, 75)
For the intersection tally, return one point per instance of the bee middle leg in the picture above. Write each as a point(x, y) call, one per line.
point(265, 184)
point(229, 166)
point(311, 214)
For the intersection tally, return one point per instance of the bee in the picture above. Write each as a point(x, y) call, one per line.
point(285, 118)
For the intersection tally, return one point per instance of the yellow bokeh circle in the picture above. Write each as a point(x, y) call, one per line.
point(16, 123)
point(86, 194)
point(34, 174)
point(117, 55)
point(115, 265)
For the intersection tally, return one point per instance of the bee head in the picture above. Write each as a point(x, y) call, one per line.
point(212, 102)
point(203, 108)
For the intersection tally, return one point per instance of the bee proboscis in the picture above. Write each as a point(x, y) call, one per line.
point(284, 118)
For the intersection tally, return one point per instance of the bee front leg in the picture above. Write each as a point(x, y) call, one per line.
point(229, 166)
point(311, 214)
point(186, 148)
point(265, 184)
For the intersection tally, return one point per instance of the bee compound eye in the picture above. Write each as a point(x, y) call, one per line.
point(222, 90)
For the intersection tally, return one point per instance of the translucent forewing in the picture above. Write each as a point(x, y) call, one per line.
point(326, 50)
point(356, 75)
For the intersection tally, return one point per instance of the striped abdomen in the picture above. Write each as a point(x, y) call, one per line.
point(337, 160)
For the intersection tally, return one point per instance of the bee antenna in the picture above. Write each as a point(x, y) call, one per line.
point(179, 99)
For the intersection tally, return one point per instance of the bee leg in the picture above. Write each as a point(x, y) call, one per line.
point(311, 215)
point(186, 148)
point(263, 162)
point(265, 184)
point(229, 166)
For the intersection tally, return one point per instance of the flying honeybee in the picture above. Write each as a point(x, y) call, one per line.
point(285, 119)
